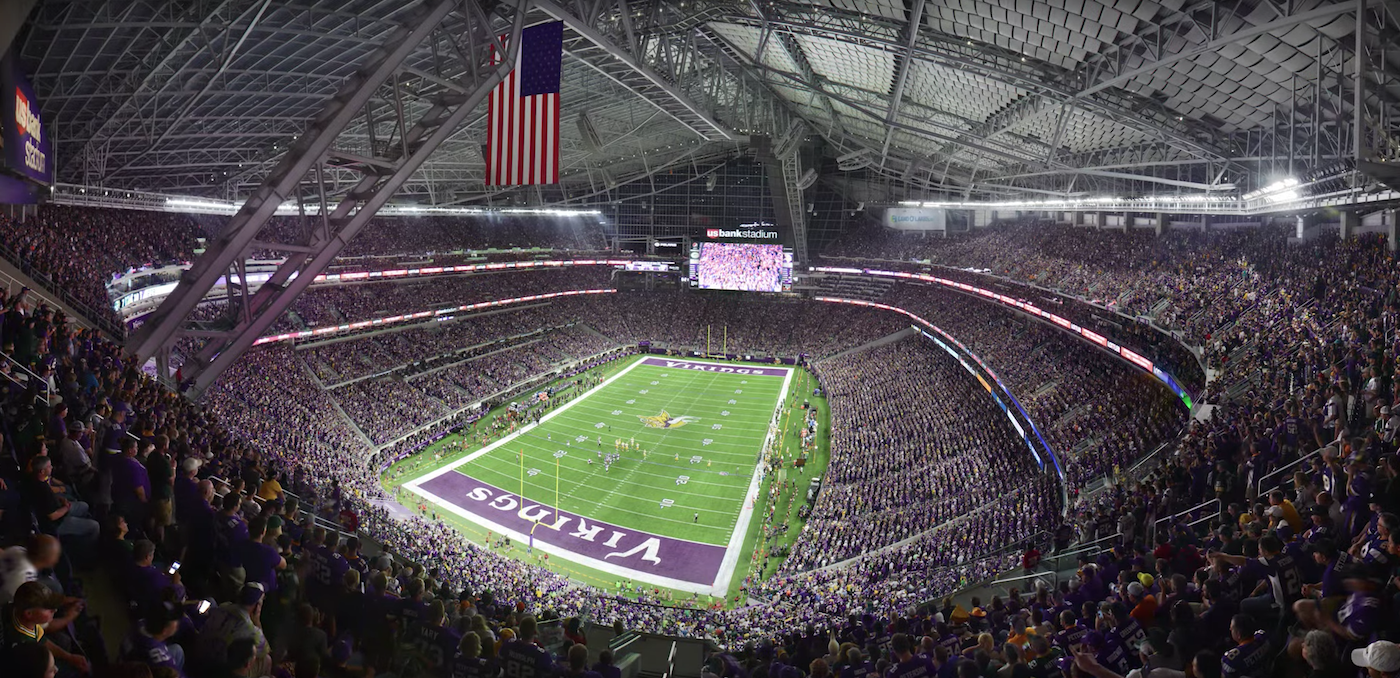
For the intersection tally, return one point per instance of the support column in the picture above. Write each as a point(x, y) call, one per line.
point(1205, 222)
point(1161, 224)
point(1301, 228)
point(1128, 222)
point(1392, 229)
point(1349, 223)
point(1077, 218)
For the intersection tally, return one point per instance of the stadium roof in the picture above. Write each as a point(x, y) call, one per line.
point(980, 98)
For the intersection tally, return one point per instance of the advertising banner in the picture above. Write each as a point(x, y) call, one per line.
point(25, 138)
point(916, 219)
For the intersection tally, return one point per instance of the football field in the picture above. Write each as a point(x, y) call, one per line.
point(650, 475)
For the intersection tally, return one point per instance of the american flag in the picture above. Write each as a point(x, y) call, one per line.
point(522, 135)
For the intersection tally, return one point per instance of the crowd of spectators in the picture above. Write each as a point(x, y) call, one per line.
point(915, 442)
point(336, 304)
point(1064, 383)
point(81, 249)
point(123, 470)
point(430, 235)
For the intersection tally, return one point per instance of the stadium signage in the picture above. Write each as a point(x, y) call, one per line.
point(916, 219)
point(606, 544)
point(707, 367)
point(26, 146)
point(744, 232)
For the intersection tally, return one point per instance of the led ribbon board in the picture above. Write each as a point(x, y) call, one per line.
point(949, 338)
point(1133, 357)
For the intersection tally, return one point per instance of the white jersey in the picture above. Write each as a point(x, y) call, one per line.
point(15, 570)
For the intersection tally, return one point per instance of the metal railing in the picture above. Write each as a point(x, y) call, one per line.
point(1095, 545)
point(1286, 468)
point(31, 376)
point(1172, 519)
point(53, 293)
point(1053, 576)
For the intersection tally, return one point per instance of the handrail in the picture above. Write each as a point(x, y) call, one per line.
point(1190, 523)
point(1053, 575)
point(1179, 514)
point(84, 312)
point(1259, 486)
point(48, 396)
point(1089, 546)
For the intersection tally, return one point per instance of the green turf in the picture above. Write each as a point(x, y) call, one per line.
point(457, 446)
point(703, 466)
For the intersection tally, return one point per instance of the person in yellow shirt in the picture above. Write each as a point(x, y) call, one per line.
point(270, 490)
point(1283, 509)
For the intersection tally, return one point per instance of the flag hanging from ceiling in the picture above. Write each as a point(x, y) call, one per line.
point(522, 134)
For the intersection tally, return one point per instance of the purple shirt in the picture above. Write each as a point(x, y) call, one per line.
point(140, 647)
point(260, 564)
point(127, 475)
point(231, 532)
point(1360, 614)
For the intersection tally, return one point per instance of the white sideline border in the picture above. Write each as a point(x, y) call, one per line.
point(725, 575)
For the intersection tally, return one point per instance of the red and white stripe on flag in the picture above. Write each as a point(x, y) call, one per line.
point(522, 135)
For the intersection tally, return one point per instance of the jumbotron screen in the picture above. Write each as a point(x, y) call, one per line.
point(743, 267)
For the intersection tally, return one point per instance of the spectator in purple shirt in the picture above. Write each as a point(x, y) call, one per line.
point(149, 581)
point(260, 561)
point(230, 531)
point(147, 642)
point(131, 485)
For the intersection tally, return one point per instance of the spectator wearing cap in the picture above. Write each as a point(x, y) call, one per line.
point(74, 465)
point(1329, 591)
point(1144, 604)
point(1319, 526)
point(232, 622)
point(34, 608)
point(1381, 659)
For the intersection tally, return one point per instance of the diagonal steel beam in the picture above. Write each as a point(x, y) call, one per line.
point(902, 66)
point(160, 330)
point(635, 63)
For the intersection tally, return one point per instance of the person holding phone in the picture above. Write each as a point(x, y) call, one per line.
point(148, 580)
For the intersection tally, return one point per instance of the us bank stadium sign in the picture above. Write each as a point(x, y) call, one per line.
point(25, 143)
point(752, 231)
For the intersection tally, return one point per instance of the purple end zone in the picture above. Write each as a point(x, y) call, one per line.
point(645, 553)
point(752, 370)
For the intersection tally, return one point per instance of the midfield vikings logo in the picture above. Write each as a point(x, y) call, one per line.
point(664, 420)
